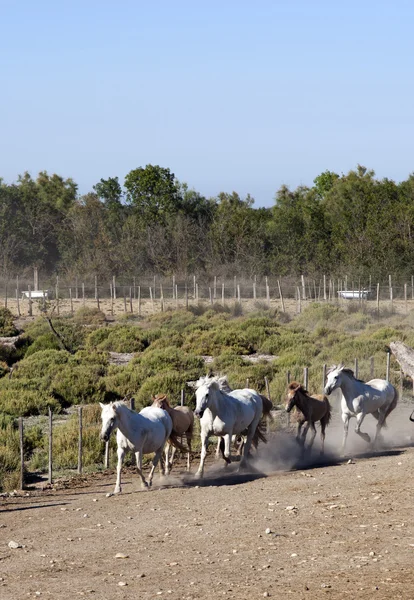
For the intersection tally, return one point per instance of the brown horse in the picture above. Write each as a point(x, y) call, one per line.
point(309, 410)
point(183, 424)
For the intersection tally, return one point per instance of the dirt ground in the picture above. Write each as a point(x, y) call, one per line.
point(327, 527)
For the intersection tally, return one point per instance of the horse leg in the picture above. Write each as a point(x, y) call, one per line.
point(360, 417)
point(189, 452)
point(138, 458)
point(345, 420)
point(121, 453)
point(323, 427)
point(298, 431)
point(155, 460)
point(227, 448)
point(204, 442)
point(313, 428)
point(304, 434)
point(167, 459)
point(218, 451)
point(248, 443)
point(380, 424)
point(173, 451)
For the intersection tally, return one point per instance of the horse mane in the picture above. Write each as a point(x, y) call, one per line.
point(295, 386)
point(345, 370)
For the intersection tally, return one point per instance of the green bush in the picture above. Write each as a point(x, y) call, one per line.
point(89, 316)
point(7, 326)
point(119, 338)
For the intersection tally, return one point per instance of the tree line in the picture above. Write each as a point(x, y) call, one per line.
point(351, 223)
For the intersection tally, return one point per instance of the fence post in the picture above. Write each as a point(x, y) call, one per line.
point(50, 445)
point(96, 287)
point(356, 369)
point(222, 294)
point(83, 293)
point(113, 287)
point(130, 300)
point(21, 439)
point(132, 403)
point(371, 360)
point(281, 296)
point(57, 294)
point(323, 377)
point(378, 299)
point(388, 366)
point(305, 377)
point(139, 300)
point(80, 441)
point(18, 302)
point(71, 301)
point(268, 395)
point(30, 300)
point(106, 458)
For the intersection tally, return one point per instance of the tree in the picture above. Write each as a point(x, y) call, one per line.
point(153, 193)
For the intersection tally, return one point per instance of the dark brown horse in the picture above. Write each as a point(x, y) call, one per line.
point(310, 409)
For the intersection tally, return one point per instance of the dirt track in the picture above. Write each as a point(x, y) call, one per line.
point(337, 530)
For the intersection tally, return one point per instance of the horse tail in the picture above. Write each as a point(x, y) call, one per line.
point(391, 406)
point(267, 407)
point(328, 415)
point(259, 435)
point(174, 441)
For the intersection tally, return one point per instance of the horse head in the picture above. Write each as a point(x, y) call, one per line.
point(291, 400)
point(109, 420)
point(203, 394)
point(333, 379)
point(161, 401)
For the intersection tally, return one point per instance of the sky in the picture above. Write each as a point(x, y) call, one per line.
point(230, 95)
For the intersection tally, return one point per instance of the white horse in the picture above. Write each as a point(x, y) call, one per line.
point(143, 433)
point(377, 397)
point(223, 415)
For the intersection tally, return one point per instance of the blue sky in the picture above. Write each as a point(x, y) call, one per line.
point(230, 95)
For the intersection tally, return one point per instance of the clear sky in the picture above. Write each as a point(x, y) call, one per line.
point(230, 95)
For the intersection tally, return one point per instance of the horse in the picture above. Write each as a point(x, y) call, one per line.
point(310, 409)
point(183, 424)
point(377, 397)
point(238, 440)
point(224, 414)
point(143, 433)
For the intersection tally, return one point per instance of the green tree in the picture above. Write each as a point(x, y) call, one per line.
point(153, 193)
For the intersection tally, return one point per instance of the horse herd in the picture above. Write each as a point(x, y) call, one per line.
point(237, 416)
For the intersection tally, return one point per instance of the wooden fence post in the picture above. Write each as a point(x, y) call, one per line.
point(388, 366)
point(50, 445)
point(268, 395)
point(305, 377)
point(106, 457)
point(130, 300)
point(30, 300)
point(323, 377)
point(182, 398)
point(281, 296)
point(83, 293)
point(222, 294)
point(139, 300)
point(21, 439)
point(80, 441)
point(378, 300)
point(113, 287)
point(18, 302)
point(356, 368)
point(132, 404)
point(70, 301)
point(371, 367)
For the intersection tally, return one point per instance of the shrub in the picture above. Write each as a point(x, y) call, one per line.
point(7, 326)
point(120, 338)
point(89, 316)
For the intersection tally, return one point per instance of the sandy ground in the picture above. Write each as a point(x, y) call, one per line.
point(329, 527)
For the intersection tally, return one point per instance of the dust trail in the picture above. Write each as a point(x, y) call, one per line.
point(283, 453)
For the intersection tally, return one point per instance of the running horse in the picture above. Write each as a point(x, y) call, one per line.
point(183, 424)
point(226, 414)
point(310, 409)
point(377, 397)
point(143, 433)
